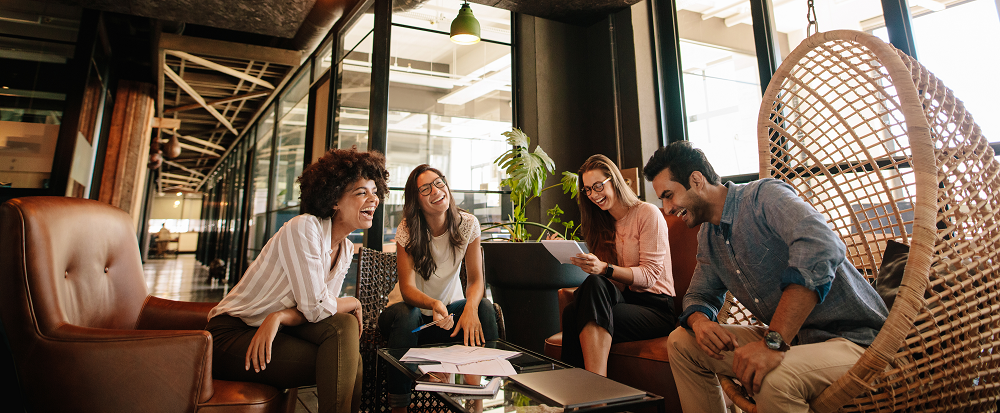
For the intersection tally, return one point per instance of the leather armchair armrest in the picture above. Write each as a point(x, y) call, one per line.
point(565, 297)
point(158, 367)
point(160, 314)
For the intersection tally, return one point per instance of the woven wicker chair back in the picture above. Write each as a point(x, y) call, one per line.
point(376, 278)
point(880, 147)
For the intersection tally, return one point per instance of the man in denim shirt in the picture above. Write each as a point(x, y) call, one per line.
point(777, 256)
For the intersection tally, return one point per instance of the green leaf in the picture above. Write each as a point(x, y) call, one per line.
point(555, 212)
point(517, 138)
point(571, 184)
point(525, 175)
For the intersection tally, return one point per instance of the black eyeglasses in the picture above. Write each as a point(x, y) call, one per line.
point(425, 189)
point(598, 187)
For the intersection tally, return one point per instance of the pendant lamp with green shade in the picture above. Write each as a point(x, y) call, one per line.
point(465, 28)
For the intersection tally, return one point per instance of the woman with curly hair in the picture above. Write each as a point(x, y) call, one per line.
point(283, 323)
point(629, 295)
point(432, 240)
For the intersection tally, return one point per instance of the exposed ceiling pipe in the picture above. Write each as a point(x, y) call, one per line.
point(326, 13)
point(322, 17)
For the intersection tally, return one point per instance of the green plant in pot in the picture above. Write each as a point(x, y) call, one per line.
point(523, 276)
point(526, 175)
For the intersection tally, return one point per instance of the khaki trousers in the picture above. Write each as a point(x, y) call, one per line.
point(805, 372)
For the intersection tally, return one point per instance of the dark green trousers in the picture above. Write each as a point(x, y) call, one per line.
point(324, 353)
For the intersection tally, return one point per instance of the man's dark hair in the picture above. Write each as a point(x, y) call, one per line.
point(682, 159)
point(324, 182)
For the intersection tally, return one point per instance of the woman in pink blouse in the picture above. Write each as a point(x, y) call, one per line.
point(284, 323)
point(629, 295)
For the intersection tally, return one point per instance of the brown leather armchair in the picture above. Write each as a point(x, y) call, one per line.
point(84, 333)
point(644, 364)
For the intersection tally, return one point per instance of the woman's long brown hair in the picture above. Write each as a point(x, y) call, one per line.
point(597, 225)
point(419, 245)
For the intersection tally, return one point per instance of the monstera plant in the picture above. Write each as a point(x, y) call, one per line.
point(527, 172)
point(524, 277)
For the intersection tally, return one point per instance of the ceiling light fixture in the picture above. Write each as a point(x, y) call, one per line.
point(465, 28)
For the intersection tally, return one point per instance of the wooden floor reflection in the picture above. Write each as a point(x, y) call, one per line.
point(181, 278)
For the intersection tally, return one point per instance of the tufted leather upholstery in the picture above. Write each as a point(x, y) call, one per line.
point(83, 331)
point(644, 364)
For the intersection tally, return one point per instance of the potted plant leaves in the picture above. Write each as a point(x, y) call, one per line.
point(523, 277)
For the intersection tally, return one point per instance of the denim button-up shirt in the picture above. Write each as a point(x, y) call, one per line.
point(769, 238)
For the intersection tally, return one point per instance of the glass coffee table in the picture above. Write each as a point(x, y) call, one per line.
point(510, 398)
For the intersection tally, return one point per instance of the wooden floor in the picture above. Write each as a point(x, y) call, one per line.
point(182, 278)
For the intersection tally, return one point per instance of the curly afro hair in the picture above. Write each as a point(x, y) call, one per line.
point(324, 182)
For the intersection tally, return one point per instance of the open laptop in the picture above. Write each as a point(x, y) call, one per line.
point(573, 388)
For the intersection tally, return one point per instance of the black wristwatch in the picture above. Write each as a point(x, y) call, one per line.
point(774, 341)
point(609, 271)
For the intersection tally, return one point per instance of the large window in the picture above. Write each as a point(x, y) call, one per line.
point(261, 173)
point(448, 105)
point(294, 109)
point(721, 83)
point(33, 88)
point(354, 83)
point(961, 55)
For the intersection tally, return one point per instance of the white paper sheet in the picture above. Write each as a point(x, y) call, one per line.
point(492, 367)
point(456, 354)
point(563, 250)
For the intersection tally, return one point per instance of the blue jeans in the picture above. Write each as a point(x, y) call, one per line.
point(396, 324)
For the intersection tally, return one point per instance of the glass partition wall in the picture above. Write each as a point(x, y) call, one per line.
point(448, 105)
point(354, 83)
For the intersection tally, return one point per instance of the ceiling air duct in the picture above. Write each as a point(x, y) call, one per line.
point(326, 13)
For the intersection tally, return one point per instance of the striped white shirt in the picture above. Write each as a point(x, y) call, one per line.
point(292, 271)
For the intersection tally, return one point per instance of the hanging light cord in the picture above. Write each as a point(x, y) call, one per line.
point(813, 26)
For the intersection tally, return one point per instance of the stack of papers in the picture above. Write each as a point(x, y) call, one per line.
point(491, 367)
point(488, 389)
point(463, 360)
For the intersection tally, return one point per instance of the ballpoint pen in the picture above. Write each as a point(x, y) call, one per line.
point(431, 323)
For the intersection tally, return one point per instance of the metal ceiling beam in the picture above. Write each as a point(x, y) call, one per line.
point(171, 181)
point(196, 140)
point(215, 66)
point(184, 168)
point(194, 148)
point(208, 132)
point(209, 47)
point(201, 158)
point(239, 109)
point(186, 178)
point(197, 98)
point(217, 102)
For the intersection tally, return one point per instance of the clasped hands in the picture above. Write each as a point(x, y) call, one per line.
point(751, 362)
point(259, 350)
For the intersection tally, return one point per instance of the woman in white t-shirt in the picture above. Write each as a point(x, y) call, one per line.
point(431, 242)
point(284, 324)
